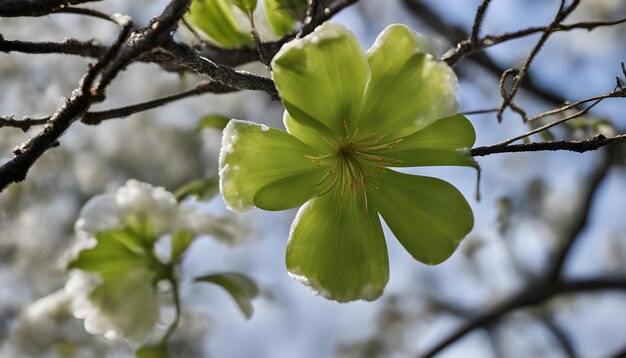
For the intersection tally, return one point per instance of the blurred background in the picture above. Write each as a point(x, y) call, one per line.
point(531, 202)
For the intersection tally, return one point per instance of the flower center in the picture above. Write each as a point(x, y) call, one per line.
point(353, 164)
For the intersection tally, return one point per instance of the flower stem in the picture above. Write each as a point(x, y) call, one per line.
point(176, 321)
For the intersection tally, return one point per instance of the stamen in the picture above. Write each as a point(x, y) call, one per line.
point(386, 145)
point(371, 142)
point(332, 185)
point(328, 140)
point(354, 163)
point(320, 157)
point(328, 173)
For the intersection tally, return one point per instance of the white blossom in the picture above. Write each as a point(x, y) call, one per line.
point(132, 202)
point(126, 307)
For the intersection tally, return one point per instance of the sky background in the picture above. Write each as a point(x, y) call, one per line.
point(160, 147)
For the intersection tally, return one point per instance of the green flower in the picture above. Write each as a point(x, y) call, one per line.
point(350, 116)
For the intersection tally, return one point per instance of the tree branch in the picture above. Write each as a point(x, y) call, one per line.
point(457, 35)
point(110, 64)
point(91, 48)
point(572, 146)
point(532, 296)
point(539, 291)
point(478, 21)
point(562, 14)
point(579, 221)
point(185, 56)
point(93, 118)
point(33, 8)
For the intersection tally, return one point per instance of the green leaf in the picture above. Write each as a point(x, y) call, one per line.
point(180, 243)
point(242, 289)
point(158, 351)
point(213, 121)
point(428, 216)
point(321, 78)
point(218, 21)
point(202, 189)
point(124, 291)
point(116, 252)
point(409, 88)
point(246, 6)
point(338, 248)
point(253, 156)
point(444, 142)
point(282, 14)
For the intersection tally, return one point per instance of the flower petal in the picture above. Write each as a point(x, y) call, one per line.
point(217, 19)
point(282, 14)
point(444, 142)
point(428, 216)
point(321, 78)
point(253, 156)
point(408, 88)
point(100, 213)
point(288, 192)
point(308, 135)
point(339, 253)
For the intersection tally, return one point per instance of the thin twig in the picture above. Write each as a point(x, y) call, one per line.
point(551, 124)
point(455, 34)
point(187, 57)
point(94, 118)
point(533, 296)
point(85, 12)
point(563, 145)
point(259, 44)
point(32, 8)
point(24, 124)
point(91, 48)
point(580, 219)
point(110, 64)
point(551, 285)
point(614, 94)
point(478, 21)
point(561, 15)
point(479, 111)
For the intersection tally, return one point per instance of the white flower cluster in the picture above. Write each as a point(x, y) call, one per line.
point(46, 328)
point(128, 307)
point(137, 200)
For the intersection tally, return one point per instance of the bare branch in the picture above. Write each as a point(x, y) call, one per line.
point(32, 8)
point(551, 285)
point(94, 118)
point(561, 15)
point(478, 21)
point(85, 12)
point(551, 124)
point(187, 57)
point(561, 337)
point(579, 221)
point(110, 64)
point(455, 34)
point(321, 13)
point(91, 48)
point(561, 145)
point(534, 295)
point(24, 124)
